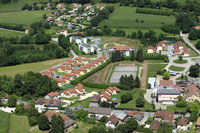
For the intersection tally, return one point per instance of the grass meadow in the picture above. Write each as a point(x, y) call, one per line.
point(127, 19)
point(22, 17)
point(35, 67)
point(7, 33)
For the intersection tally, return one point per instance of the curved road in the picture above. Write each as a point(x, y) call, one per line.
point(185, 38)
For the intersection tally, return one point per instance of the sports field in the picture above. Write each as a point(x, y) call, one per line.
point(127, 19)
point(22, 17)
point(35, 67)
point(7, 33)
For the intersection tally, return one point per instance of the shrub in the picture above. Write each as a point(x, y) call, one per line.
point(126, 97)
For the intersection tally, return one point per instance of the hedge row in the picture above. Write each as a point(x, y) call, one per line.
point(156, 57)
point(13, 27)
point(164, 12)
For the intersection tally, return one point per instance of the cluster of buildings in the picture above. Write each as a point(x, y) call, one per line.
point(72, 69)
point(167, 92)
point(178, 48)
point(104, 96)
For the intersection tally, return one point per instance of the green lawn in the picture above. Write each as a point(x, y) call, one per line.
point(11, 123)
point(18, 124)
point(175, 68)
point(153, 68)
point(22, 17)
point(180, 62)
point(5, 122)
point(35, 67)
point(7, 33)
point(125, 18)
point(176, 109)
point(132, 104)
point(83, 127)
point(85, 103)
point(156, 61)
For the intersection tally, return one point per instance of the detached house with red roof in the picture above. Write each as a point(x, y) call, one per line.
point(67, 79)
point(184, 124)
point(105, 95)
point(164, 116)
point(62, 32)
point(150, 50)
point(179, 49)
point(61, 82)
point(192, 93)
point(112, 122)
point(53, 95)
point(161, 46)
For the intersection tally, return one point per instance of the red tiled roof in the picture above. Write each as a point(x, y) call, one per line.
point(52, 94)
point(85, 59)
point(66, 63)
point(61, 66)
point(79, 86)
point(77, 58)
point(197, 27)
point(51, 69)
point(71, 61)
point(183, 121)
point(155, 125)
point(102, 57)
point(186, 51)
point(121, 48)
point(60, 80)
point(113, 119)
point(105, 95)
point(49, 115)
point(65, 77)
point(69, 74)
point(198, 122)
point(180, 44)
point(162, 43)
point(166, 115)
point(59, 31)
point(166, 83)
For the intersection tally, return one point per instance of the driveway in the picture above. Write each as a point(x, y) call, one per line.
point(7, 109)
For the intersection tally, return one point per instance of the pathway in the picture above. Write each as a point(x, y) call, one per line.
point(144, 75)
point(185, 38)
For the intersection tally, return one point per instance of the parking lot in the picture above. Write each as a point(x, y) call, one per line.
point(123, 70)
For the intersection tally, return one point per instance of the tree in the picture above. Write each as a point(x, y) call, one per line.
point(132, 125)
point(57, 124)
point(103, 119)
point(165, 128)
point(12, 101)
point(181, 102)
point(148, 86)
point(132, 56)
point(43, 122)
point(126, 97)
point(20, 110)
point(81, 115)
point(97, 129)
point(166, 76)
point(180, 58)
point(137, 82)
point(33, 121)
point(122, 128)
point(193, 35)
point(139, 55)
point(198, 45)
point(140, 101)
point(194, 71)
point(69, 113)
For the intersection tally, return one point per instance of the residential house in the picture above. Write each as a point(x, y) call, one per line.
point(61, 82)
point(71, 92)
point(192, 93)
point(87, 6)
point(27, 106)
point(167, 96)
point(62, 32)
point(77, 73)
point(164, 116)
point(67, 79)
point(183, 124)
point(126, 50)
point(60, 5)
point(166, 83)
point(71, 75)
point(100, 6)
point(186, 52)
point(76, 39)
point(161, 46)
point(79, 88)
point(82, 71)
point(85, 61)
point(99, 112)
point(95, 100)
point(121, 115)
point(42, 104)
point(76, 5)
point(138, 116)
point(155, 125)
point(105, 95)
point(150, 50)
point(112, 122)
point(5, 99)
point(197, 27)
point(53, 95)
point(69, 123)
point(61, 68)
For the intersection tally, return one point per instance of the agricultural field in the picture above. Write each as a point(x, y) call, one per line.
point(35, 67)
point(7, 33)
point(22, 17)
point(5, 122)
point(127, 18)
point(17, 6)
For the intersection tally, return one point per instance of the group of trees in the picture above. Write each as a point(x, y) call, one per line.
point(106, 104)
point(130, 81)
point(165, 12)
point(103, 14)
point(140, 101)
point(194, 71)
point(198, 45)
point(117, 56)
point(171, 29)
point(30, 85)
point(126, 97)
point(13, 27)
point(194, 34)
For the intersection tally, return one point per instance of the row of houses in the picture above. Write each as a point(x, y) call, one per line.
point(125, 50)
point(73, 69)
point(178, 48)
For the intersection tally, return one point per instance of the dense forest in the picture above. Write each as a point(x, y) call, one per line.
point(30, 85)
